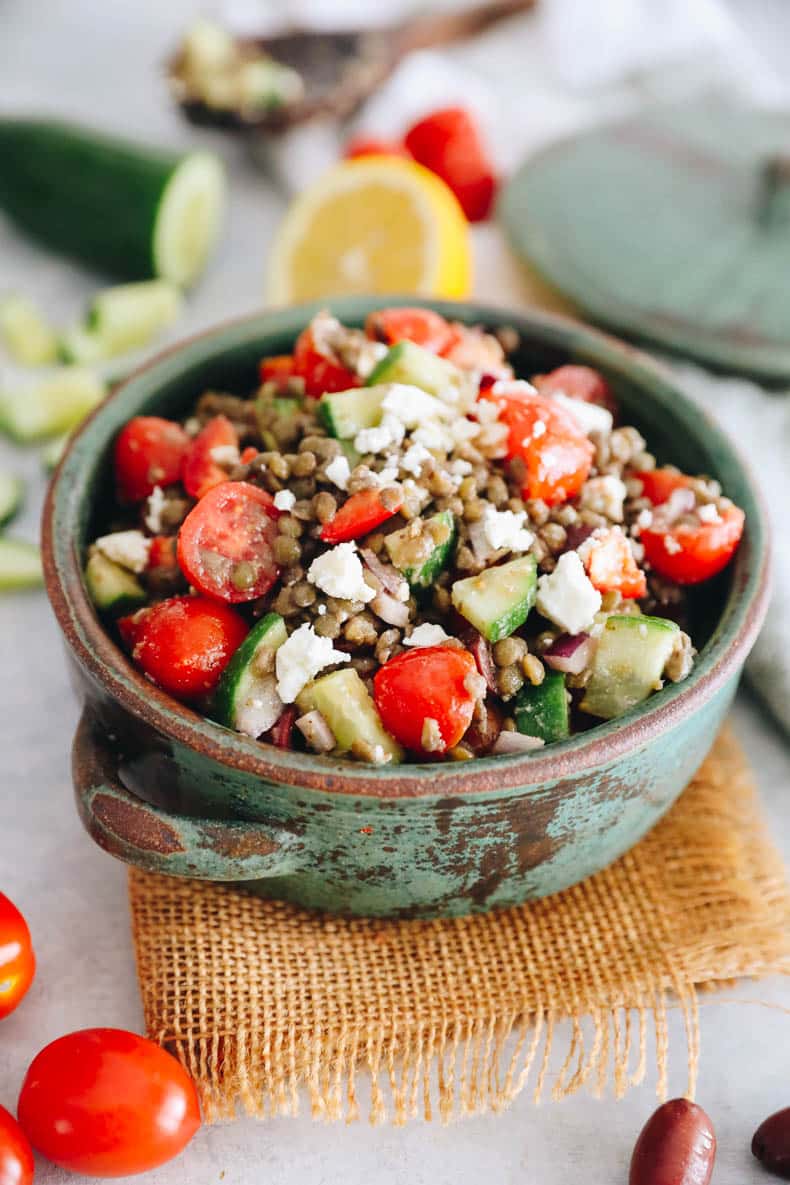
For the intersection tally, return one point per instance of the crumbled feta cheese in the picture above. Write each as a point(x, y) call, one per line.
point(590, 417)
point(604, 495)
point(321, 610)
point(226, 455)
point(538, 429)
point(387, 476)
point(285, 500)
point(377, 440)
point(708, 513)
point(338, 471)
point(513, 387)
point(671, 545)
point(461, 468)
point(644, 518)
point(300, 658)
point(129, 549)
point(192, 426)
point(369, 356)
point(426, 634)
point(338, 572)
point(412, 406)
point(505, 528)
point(153, 510)
point(414, 458)
point(566, 595)
point(433, 436)
point(463, 430)
point(486, 411)
point(431, 736)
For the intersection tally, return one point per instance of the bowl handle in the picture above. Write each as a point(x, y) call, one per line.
point(141, 834)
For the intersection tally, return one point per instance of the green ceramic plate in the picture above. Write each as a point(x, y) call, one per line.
point(672, 227)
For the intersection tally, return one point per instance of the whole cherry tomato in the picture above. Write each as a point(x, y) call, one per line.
point(320, 372)
point(690, 552)
point(184, 644)
point(611, 565)
point(448, 142)
point(201, 472)
point(577, 382)
point(17, 961)
point(359, 515)
point(107, 1103)
point(424, 327)
point(426, 697)
point(225, 545)
point(149, 452)
point(16, 1155)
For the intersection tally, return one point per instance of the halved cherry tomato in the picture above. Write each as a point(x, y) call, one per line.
point(611, 565)
point(356, 517)
point(448, 142)
point(184, 644)
point(162, 553)
point(556, 453)
point(149, 452)
point(17, 961)
point(225, 545)
point(248, 454)
point(16, 1155)
point(424, 327)
point(658, 485)
point(201, 472)
point(690, 553)
point(279, 368)
point(108, 1103)
point(319, 372)
point(430, 683)
point(578, 382)
point(374, 146)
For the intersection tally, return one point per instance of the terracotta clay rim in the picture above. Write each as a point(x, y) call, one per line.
point(108, 666)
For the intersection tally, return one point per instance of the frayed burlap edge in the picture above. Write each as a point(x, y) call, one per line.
point(261, 1000)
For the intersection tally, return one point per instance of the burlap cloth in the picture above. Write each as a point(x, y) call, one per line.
point(452, 1017)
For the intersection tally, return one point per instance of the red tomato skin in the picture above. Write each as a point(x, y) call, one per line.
point(149, 451)
point(558, 460)
point(16, 1155)
point(362, 513)
point(278, 368)
point(448, 142)
point(578, 382)
point(702, 552)
point(429, 681)
point(107, 1103)
point(184, 644)
point(424, 327)
point(248, 454)
point(17, 960)
point(611, 566)
point(200, 472)
point(374, 146)
point(235, 521)
point(320, 374)
point(658, 485)
point(162, 553)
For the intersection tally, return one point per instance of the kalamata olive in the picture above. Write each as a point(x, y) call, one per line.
point(676, 1146)
point(771, 1143)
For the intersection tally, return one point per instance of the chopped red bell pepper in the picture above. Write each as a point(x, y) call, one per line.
point(362, 513)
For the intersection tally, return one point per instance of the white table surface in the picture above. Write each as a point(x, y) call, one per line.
point(97, 62)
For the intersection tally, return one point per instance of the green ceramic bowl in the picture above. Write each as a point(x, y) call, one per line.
point(166, 789)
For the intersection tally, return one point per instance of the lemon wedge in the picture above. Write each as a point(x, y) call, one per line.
point(375, 224)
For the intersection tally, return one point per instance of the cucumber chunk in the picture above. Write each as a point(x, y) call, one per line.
point(408, 363)
point(344, 702)
point(628, 664)
point(20, 565)
point(345, 413)
point(12, 492)
point(53, 406)
point(543, 711)
point(79, 346)
point(189, 218)
point(112, 589)
point(246, 698)
point(438, 535)
point(25, 334)
point(498, 600)
point(131, 315)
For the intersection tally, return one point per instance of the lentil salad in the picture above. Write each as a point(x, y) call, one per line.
point(397, 549)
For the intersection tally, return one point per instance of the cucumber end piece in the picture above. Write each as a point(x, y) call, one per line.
point(20, 565)
point(189, 218)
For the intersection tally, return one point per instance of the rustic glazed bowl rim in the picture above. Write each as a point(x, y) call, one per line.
point(720, 659)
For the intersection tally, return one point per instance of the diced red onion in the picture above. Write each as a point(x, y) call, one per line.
point(316, 732)
point(390, 610)
point(576, 534)
point(480, 543)
point(388, 576)
point(570, 653)
point(481, 653)
point(280, 734)
point(516, 742)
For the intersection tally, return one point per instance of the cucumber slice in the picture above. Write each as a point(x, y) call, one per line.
point(438, 533)
point(127, 209)
point(344, 702)
point(12, 492)
point(55, 405)
point(131, 314)
point(345, 413)
point(246, 698)
point(350, 453)
point(543, 711)
point(25, 333)
point(498, 600)
point(81, 347)
point(112, 589)
point(407, 363)
point(20, 565)
point(52, 452)
point(628, 664)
